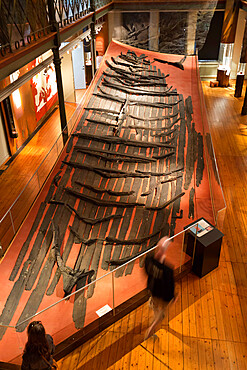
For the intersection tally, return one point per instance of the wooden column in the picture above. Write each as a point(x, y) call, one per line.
point(230, 21)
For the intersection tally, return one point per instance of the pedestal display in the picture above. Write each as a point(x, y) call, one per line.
point(239, 85)
point(207, 241)
point(223, 77)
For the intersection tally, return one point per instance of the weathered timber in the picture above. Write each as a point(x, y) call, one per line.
point(108, 83)
point(119, 228)
point(200, 159)
point(81, 210)
point(100, 122)
point(136, 127)
point(181, 213)
point(174, 64)
point(13, 299)
point(104, 95)
point(39, 242)
point(165, 133)
point(151, 189)
point(136, 216)
point(106, 172)
point(164, 205)
point(116, 157)
point(154, 118)
point(90, 221)
point(128, 81)
point(191, 204)
point(44, 277)
point(69, 243)
point(131, 56)
point(191, 153)
point(103, 191)
point(43, 235)
point(118, 140)
point(179, 161)
point(165, 155)
point(160, 173)
point(130, 65)
point(102, 203)
point(155, 105)
point(70, 276)
point(37, 294)
point(37, 263)
point(121, 118)
point(26, 244)
point(81, 240)
point(111, 240)
point(132, 101)
point(116, 154)
point(124, 72)
point(103, 110)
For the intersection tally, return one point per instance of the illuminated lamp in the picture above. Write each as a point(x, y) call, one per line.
point(17, 98)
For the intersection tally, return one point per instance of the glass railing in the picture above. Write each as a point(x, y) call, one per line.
point(216, 191)
point(108, 294)
point(13, 218)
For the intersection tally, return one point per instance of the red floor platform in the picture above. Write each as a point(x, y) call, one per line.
point(61, 321)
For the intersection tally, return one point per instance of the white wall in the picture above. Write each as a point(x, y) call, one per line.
point(68, 78)
point(238, 43)
point(4, 154)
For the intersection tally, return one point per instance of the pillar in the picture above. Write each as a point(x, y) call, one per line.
point(154, 30)
point(114, 25)
point(57, 64)
point(191, 32)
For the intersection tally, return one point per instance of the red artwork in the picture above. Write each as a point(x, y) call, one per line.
point(44, 88)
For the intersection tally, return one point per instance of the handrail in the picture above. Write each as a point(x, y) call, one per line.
point(36, 171)
point(103, 276)
point(202, 103)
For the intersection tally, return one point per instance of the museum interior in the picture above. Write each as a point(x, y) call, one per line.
point(122, 122)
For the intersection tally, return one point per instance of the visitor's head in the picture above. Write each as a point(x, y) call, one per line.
point(160, 251)
point(36, 332)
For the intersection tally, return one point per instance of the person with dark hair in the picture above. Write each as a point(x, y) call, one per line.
point(160, 284)
point(39, 349)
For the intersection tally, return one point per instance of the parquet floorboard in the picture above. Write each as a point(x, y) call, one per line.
point(206, 328)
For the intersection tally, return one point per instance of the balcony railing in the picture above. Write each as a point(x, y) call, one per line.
point(23, 23)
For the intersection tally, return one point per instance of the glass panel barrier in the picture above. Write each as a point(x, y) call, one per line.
point(47, 165)
point(83, 307)
point(19, 209)
point(216, 192)
point(130, 279)
point(7, 231)
point(22, 205)
point(76, 311)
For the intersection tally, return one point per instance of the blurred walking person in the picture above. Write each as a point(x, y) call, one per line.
point(160, 284)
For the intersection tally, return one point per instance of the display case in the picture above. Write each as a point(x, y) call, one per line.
point(203, 244)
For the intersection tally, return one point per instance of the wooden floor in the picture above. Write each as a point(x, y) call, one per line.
point(207, 327)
